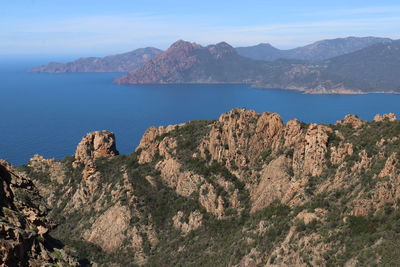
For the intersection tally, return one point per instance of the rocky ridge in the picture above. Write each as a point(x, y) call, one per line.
point(244, 190)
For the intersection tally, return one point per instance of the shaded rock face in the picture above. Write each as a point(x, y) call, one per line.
point(108, 231)
point(315, 148)
point(24, 239)
point(95, 145)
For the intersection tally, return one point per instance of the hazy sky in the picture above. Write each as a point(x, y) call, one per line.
point(100, 27)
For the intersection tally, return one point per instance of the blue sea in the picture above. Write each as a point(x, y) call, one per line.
point(48, 114)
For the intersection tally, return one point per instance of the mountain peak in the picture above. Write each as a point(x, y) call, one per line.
point(221, 49)
point(182, 44)
point(266, 45)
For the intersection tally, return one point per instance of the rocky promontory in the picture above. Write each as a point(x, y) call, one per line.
point(117, 63)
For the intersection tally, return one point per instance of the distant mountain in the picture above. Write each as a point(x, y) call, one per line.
point(186, 62)
point(261, 52)
point(372, 69)
point(376, 68)
point(116, 63)
point(317, 51)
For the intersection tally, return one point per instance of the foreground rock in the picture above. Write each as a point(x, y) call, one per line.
point(24, 226)
point(246, 189)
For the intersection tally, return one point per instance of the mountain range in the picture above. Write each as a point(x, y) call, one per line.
point(340, 66)
point(317, 51)
point(372, 69)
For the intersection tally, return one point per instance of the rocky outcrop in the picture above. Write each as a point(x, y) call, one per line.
point(275, 183)
point(384, 117)
point(24, 227)
point(240, 136)
point(150, 142)
point(55, 168)
point(95, 145)
point(338, 154)
point(390, 166)
point(351, 120)
point(316, 141)
point(193, 222)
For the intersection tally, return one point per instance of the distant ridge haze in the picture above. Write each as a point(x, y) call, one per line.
point(317, 51)
point(125, 62)
point(116, 63)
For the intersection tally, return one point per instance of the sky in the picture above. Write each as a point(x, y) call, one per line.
point(103, 27)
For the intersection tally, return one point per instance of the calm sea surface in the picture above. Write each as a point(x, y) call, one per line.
point(49, 113)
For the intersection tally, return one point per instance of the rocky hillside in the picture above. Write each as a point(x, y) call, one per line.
point(244, 190)
point(116, 63)
point(24, 226)
point(373, 69)
point(317, 51)
point(186, 62)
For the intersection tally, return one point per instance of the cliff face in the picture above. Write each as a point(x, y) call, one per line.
point(244, 190)
point(116, 63)
point(24, 226)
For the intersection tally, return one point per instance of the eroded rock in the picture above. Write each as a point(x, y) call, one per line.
point(95, 145)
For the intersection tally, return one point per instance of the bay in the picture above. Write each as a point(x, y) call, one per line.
point(48, 114)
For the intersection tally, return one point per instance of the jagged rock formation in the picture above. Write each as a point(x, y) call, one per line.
point(95, 145)
point(24, 226)
point(244, 190)
point(116, 63)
